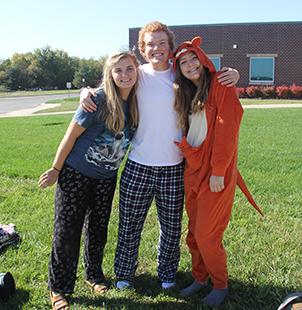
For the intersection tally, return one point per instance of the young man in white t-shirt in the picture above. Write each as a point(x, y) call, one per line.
point(155, 165)
point(154, 169)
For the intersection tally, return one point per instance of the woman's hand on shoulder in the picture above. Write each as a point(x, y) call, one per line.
point(48, 178)
point(86, 102)
point(216, 183)
point(228, 77)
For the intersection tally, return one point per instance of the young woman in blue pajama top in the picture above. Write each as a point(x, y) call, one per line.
point(85, 169)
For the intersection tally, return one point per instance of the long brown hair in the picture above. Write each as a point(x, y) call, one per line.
point(189, 98)
point(113, 113)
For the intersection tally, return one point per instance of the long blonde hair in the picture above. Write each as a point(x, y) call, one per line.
point(189, 98)
point(113, 113)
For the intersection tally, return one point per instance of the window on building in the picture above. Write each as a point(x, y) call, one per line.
point(262, 69)
point(216, 61)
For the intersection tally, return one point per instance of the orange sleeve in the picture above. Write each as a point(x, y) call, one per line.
point(227, 123)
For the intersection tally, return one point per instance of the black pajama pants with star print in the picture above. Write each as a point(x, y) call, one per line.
point(80, 203)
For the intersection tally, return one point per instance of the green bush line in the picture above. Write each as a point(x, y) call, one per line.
point(272, 92)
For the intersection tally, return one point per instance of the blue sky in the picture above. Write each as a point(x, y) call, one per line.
point(94, 28)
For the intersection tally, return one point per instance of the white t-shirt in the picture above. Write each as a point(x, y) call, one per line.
point(153, 143)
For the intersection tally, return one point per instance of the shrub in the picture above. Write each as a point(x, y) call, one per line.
point(3, 88)
point(280, 92)
point(241, 92)
point(253, 91)
point(296, 91)
point(283, 92)
point(268, 92)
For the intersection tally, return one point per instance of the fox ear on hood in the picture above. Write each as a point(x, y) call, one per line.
point(196, 41)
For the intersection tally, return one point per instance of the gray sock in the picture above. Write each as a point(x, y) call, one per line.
point(216, 296)
point(192, 288)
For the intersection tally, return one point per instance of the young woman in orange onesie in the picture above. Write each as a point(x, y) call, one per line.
point(210, 115)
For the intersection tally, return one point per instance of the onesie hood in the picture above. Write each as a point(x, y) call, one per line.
point(193, 46)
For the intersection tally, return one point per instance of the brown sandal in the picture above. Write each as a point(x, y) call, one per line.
point(97, 288)
point(59, 302)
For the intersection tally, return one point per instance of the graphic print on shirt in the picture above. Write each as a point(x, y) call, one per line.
point(108, 153)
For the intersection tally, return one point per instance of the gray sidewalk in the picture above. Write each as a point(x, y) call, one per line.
point(272, 106)
point(30, 112)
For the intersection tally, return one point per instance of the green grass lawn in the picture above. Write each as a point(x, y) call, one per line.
point(264, 254)
point(67, 104)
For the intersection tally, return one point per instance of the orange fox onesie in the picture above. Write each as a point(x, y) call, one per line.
point(209, 212)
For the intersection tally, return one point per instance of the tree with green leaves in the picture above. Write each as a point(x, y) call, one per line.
point(49, 69)
point(89, 72)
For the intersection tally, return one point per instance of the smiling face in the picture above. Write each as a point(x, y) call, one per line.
point(157, 50)
point(124, 73)
point(190, 67)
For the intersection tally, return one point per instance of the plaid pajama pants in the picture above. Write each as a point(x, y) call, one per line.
point(79, 201)
point(138, 186)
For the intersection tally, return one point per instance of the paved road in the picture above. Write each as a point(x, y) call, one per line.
point(11, 104)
